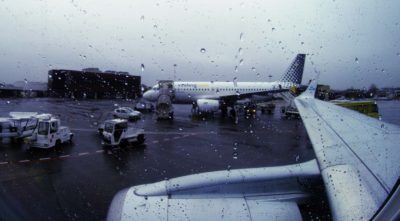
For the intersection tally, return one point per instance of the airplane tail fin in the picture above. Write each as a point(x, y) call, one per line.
point(295, 72)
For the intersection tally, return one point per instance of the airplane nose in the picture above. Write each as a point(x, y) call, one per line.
point(147, 95)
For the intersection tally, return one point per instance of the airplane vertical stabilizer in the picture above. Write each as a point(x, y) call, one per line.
point(295, 72)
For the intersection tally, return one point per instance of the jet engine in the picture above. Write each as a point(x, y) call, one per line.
point(207, 105)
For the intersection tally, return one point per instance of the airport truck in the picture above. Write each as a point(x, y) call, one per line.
point(289, 112)
point(266, 107)
point(49, 132)
point(18, 126)
point(117, 132)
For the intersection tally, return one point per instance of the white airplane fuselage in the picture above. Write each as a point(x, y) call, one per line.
point(187, 92)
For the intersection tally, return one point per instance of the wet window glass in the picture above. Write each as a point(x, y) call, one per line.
point(195, 109)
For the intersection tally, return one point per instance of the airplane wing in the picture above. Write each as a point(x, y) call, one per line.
point(358, 156)
point(231, 99)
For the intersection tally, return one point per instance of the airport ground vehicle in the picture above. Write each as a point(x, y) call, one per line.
point(126, 113)
point(290, 112)
point(250, 109)
point(49, 132)
point(266, 107)
point(119, 132)
point(19, 125)
point(6, 128)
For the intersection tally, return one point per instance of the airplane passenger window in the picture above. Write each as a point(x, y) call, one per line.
point(199, 110)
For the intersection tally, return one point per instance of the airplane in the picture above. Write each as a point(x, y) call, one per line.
point(211, 96)
point(357, 157)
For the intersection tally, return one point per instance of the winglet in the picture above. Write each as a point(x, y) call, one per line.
point(311, 89)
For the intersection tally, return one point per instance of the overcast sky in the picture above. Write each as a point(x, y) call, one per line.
point(352, 43)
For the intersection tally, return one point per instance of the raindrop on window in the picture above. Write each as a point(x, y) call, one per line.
point(142, 67)
point(235, 155)
point(241, 36)
point(203, 50)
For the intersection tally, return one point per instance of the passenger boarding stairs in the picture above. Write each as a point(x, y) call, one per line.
point(164, 108)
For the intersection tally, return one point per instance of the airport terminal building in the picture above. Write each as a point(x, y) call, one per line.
point(92, 83)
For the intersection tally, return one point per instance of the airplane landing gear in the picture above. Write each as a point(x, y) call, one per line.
point(234, 115)
point(195, 108)
point(224, 111)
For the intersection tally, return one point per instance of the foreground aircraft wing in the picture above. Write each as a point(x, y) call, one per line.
point(269, 193)
point(359, 157)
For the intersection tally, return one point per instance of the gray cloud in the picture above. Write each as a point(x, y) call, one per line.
point(352, 43)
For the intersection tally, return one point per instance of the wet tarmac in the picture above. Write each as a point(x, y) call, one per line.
point(78, 181)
